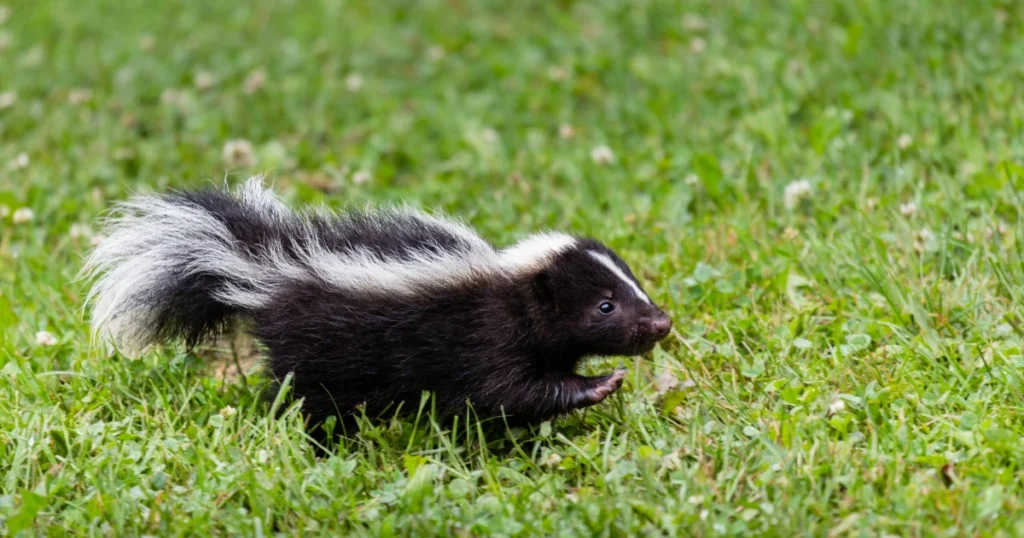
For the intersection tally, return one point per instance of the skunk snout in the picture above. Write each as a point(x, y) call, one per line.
point(657, 326)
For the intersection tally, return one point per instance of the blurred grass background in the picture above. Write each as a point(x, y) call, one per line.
point(824, 196)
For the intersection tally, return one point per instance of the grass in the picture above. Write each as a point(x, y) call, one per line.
point(847, 364)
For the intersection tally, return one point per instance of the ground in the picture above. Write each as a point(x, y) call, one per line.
point(824, 195)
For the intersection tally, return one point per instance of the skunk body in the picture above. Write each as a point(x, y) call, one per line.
point(372, 308)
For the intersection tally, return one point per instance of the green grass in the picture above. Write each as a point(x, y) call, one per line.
point(841, 367)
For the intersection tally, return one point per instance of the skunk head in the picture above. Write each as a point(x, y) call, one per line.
point(588, 298)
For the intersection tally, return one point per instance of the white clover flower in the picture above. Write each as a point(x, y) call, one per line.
point(45, 339)
point(698, 45)
point(228, 411)
point(602, 155)
point(354, 82)
point(904, 141)
point(23, 215)
point(172, 96)
point(694, 22)
point(924, 240)
point(361, 177)
point(489, 135)
point(7, 99)
point(78, 230)
point(238, 154)
point(204, 80)
point(558, 73)
point(837, 406)
point(908, 209)
point(566, 131)
point(255, 81)
point(79, 96)
point(20, 162)
point(147, 42)
point(435, 53)
point(34, 56)
point(796, 192)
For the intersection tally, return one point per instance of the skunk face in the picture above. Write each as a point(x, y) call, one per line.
point(594, 301)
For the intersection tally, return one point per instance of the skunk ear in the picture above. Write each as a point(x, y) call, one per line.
point(544, 288)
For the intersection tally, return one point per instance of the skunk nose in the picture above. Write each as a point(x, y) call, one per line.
point(660, 326)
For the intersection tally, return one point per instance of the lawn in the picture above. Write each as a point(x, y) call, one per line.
point(824, 195)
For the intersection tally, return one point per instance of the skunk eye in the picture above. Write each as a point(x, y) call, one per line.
point(606, 308)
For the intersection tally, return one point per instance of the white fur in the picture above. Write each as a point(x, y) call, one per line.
point(535, 252)
point(153, 240)
point(144, 247)
point(364, 270)
point(608, 263)
point(453, 227)
point(262, 200)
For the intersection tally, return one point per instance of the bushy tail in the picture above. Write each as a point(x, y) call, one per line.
point(183, 265)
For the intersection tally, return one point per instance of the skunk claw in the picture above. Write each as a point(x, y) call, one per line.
point(608, 386)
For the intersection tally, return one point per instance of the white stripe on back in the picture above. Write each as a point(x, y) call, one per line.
point(535, 252)
point(607, 262)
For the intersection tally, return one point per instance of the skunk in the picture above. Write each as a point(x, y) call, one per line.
point(368, 309)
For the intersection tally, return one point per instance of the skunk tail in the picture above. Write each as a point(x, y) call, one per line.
point(184, 265)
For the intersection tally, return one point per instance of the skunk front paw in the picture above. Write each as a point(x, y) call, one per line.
point(605, 387)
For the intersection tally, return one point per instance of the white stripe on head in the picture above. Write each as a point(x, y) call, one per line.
point(535, 252)
point(607, 262)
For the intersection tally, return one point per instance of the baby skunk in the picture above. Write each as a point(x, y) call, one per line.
point(372, 308)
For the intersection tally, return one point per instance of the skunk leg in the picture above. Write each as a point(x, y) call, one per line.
point(554, 394)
